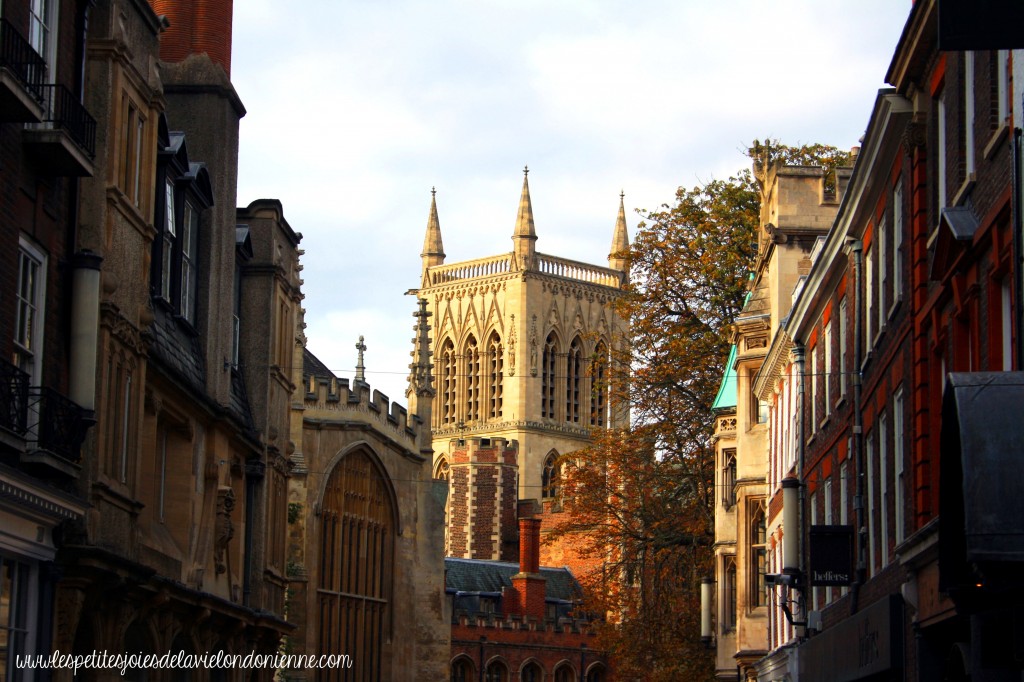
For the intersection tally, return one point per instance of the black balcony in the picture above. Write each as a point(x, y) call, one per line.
point(61, 423)
point(21, 77)
point(13, 399)
point(43, 428)
point(65, 142)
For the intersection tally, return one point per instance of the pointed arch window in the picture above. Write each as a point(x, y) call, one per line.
point(442, 471)
point(565, 674)
point(497, 672)
point(551, 477)
point(462, 671)
point(495, 366)
point(573, 381)
point(599, 386)
point(447, 370)
point(531, 672)
point(547, 399)
point(356, 565)
point(472, 375)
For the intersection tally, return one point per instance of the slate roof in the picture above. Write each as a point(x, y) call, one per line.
point(177, 350)
point(474, 575)
point(312, 366)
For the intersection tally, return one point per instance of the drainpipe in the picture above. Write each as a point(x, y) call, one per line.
point(1018, 251)
point(801, 435)
point(856, 248)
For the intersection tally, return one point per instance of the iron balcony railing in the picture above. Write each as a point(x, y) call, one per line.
point(17, 55)
point(60, 423)
point(65, 112)
point(13, 398)
point(42, 416)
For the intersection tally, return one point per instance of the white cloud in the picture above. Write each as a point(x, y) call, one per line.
point(357, 109)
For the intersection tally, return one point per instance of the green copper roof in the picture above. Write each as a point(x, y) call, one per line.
point(726, 398)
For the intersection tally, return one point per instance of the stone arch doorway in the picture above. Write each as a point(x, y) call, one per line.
point(356, 561)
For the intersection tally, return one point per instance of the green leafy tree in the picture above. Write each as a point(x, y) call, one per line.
point(643, 497)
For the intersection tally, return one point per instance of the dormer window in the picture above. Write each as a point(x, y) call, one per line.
point(186, 192)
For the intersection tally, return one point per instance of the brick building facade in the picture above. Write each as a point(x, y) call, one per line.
point(887, 384)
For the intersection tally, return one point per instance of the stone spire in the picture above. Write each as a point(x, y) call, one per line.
point(420, 393)
point(433, 249)
point(620, 240)
point(525, 236)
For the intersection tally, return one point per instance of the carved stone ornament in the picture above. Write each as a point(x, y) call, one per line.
point(533, 347)
point(225, 529)
point(915, 134)
point(512, 346)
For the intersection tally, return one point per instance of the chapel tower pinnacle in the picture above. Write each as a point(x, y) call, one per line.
point(525, 236)
point(617, 258)
point(433, 249)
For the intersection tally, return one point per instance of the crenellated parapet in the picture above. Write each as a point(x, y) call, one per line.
point(327, 398)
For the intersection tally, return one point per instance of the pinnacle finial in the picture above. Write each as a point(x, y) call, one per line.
point(622, 195)
point(433, 191)
point(360, 368)
point(526, 170)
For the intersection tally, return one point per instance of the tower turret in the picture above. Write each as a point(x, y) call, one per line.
point(524, 238)
point(420, 393)
point(617, 259)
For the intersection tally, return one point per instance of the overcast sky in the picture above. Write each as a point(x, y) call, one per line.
point(356, 108)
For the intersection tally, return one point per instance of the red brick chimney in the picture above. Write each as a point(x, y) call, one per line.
point(196, 26)
point(528, 586)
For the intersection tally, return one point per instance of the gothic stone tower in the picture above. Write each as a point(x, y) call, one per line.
point(521, 353)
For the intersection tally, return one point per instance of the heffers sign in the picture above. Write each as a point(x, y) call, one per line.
point(831, 556)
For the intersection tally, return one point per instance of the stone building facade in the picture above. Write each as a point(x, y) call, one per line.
point(522, 349)
point(894, 388)
point(366, 519)
point(797, 207)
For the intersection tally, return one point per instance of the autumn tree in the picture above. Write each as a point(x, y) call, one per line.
point(642, 497)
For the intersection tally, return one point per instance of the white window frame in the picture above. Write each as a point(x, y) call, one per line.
point(869, 504)
point(885, 497)
point(940, 159)
point(813, 377)
point(897, 245)
point(843, 345)
point(869, 299)
point(899, 499)
point(189, 257)
point(1002, 85)
point(882, 239)
point(969, 106)
point(44, 18)
point(33, 303)
point(827, 350)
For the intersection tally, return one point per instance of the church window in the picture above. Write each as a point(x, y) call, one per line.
point(596, 674)
point(472, 374)
point(495, 361)
point(565, 674)
point(442, 471)
point(497, 672)
point(599, 387)
point(356, 565)
point(551, 476)
point(573, 380)
point(531, 672)
point(447, 371)
point(462, 671)
point(547, 400)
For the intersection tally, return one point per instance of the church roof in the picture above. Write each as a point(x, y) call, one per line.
point(476, 575)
